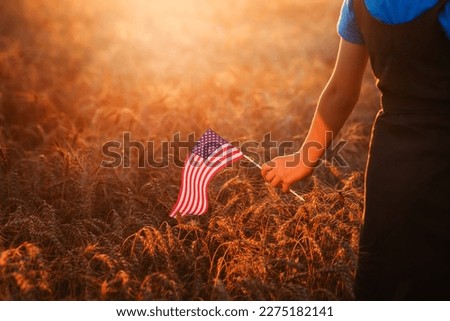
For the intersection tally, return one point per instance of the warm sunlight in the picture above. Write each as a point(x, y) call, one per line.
point(84, 81)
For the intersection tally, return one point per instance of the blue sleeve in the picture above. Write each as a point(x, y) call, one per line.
point(347, 26)
point(444, 19)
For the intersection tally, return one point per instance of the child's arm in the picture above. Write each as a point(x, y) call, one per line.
point(335, 105)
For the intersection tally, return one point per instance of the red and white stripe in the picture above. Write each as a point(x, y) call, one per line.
point(197, 173)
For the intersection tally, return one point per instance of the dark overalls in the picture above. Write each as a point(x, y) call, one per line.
point(405, 238)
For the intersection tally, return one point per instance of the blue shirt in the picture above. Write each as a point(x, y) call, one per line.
point(389, 12)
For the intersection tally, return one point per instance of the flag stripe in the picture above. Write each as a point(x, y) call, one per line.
point(184, 182)
point(210, 154)
point(197, 173)
point(202, 203)
point(193, 174)
point(191, 169)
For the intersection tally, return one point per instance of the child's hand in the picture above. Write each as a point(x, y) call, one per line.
point(283, 171)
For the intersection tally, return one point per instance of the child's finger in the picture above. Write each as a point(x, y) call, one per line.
point(285, 187)
point(266, 168)
point(275, 181)
point(270, 175)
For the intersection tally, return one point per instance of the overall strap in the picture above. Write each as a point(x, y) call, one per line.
point(410, 60)
point(442, 3)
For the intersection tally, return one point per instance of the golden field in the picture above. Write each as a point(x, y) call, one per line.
point(77, 74)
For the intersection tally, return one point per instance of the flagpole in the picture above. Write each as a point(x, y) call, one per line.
point(259, 166)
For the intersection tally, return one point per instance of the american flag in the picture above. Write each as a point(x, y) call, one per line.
point(210, 154)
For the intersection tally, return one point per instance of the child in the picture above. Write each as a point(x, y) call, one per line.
point(404, 250)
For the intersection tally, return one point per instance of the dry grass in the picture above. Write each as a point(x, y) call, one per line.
point(74, 75)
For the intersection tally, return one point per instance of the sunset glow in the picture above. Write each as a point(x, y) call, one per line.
point(77, 75)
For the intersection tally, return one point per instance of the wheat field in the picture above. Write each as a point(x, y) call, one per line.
point(77, 74)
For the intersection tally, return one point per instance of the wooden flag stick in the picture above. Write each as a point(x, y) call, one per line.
point(290, 190)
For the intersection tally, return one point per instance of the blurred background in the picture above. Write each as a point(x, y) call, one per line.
point(188, 64)
point(77, 74)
